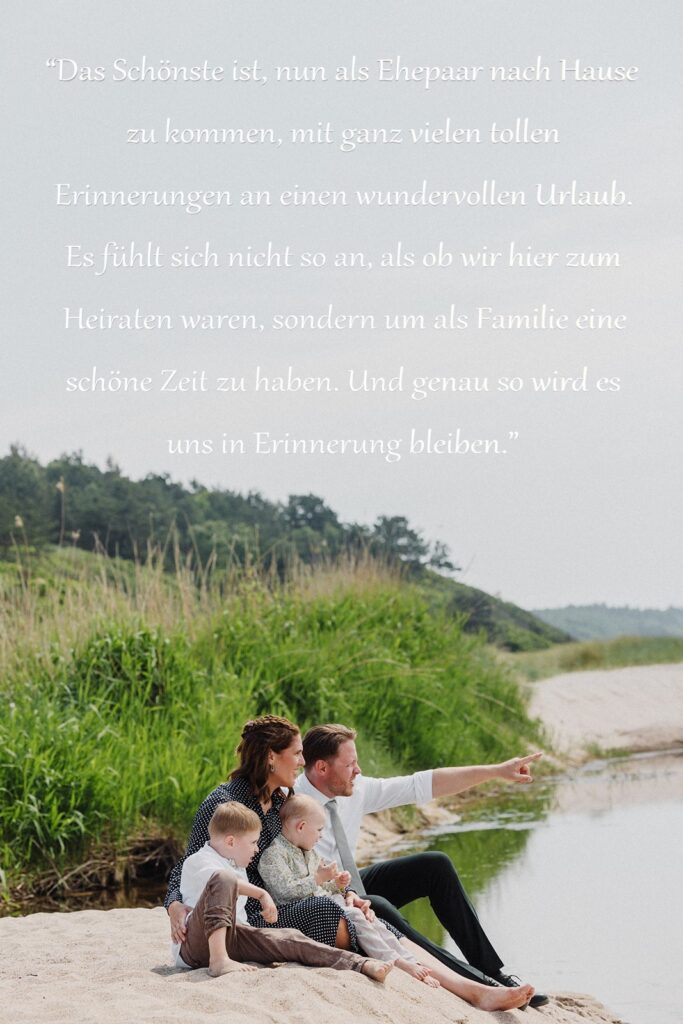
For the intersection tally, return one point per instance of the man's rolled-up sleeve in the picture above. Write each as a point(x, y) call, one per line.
point(380, 794)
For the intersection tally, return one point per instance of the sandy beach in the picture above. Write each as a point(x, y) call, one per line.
point(94, 965)
point(630, 709)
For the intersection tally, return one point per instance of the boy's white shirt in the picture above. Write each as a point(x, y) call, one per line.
point(197, 870)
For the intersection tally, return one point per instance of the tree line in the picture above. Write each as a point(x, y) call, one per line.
point(72, 502)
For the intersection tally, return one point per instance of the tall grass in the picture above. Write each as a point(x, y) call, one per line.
point(124, 691)
point(596, 654)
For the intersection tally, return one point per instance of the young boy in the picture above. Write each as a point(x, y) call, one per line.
point(214, 883)
point(293, 870)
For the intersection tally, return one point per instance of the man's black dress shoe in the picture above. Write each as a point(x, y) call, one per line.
point(511, 981)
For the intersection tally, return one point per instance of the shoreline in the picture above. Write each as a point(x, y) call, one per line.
point(626, 702)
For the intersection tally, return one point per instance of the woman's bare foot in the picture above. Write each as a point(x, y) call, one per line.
point(501, 998)
point(418, 971)
point(376, 969)
point(219, 967)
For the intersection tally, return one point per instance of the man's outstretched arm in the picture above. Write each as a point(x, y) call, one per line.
point(447, 781)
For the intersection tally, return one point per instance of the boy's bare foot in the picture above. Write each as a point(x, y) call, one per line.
point(502, 998)
point(376, 969)
point(219, 967)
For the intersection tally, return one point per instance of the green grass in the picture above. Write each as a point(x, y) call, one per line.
point(124, 696)
point(596, 654)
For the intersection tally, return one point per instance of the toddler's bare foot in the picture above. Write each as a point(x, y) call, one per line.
point(502, 998)
point(418, 971)
point(219, 967)
point(376, 969)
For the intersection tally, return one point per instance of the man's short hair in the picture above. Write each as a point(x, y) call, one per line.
point(233, 819)
point(298, 807)
point(322, 742)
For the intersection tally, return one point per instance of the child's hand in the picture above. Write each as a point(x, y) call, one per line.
point(363, 905)
point(268, 908)
point(343, 879)
point(368, 912)
point(325, 872)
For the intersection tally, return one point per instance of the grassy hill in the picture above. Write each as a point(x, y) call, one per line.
point(126, 688)
point(75, 505)
point(502, 623)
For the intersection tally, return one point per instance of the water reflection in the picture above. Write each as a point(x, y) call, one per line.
point(580, 888)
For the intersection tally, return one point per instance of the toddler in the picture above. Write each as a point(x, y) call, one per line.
point(292, 870)
point(214, 883)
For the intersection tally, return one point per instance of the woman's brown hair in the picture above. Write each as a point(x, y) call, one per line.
point(259, 737)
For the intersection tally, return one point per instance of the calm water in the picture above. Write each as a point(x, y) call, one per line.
point(579, 884)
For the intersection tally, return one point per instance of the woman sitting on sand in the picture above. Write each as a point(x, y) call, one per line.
point(271, 756)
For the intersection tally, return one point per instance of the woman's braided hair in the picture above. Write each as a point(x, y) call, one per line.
point(259, 737)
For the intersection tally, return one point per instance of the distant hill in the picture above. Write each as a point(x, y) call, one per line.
point(505, 624)
point(600, 622)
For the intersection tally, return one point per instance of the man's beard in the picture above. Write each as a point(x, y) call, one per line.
point(343, 789)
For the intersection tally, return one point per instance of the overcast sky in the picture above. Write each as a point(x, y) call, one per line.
point(586, 504)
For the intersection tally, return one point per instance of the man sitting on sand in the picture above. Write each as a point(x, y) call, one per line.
point(333, 777)
point(292, 870)
point(214, 883)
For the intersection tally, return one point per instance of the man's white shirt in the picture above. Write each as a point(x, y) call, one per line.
point(369, 795)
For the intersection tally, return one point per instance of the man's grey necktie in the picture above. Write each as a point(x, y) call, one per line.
point(347, 859)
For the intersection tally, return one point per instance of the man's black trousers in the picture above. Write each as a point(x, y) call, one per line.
point(393, 883)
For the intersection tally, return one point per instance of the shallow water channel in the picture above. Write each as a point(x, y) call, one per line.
point(578, 882)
